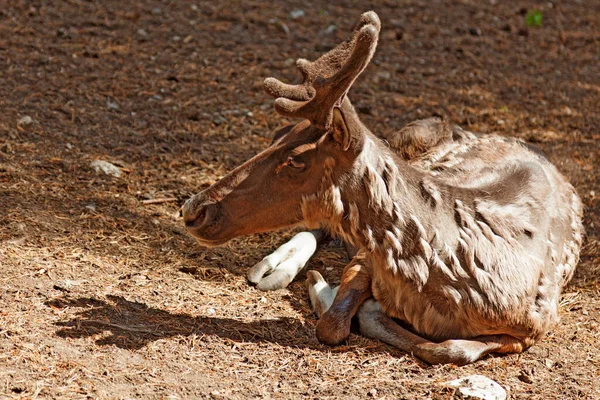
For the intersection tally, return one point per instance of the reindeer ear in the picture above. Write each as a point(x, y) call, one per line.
point(341, 133)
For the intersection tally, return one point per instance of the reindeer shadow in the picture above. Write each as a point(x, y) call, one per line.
point(132, 325)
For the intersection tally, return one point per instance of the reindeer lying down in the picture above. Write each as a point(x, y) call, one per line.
point(468, 239)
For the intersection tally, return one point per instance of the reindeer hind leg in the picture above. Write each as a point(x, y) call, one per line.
point(375, 324)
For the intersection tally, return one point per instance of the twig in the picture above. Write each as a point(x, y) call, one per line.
point(158, 201)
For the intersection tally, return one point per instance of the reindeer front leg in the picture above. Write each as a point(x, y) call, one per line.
point(279, 268)
point(336, 307)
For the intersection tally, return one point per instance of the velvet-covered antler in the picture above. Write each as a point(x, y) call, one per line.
point(328, 79)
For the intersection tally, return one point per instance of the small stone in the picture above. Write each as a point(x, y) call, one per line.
point(500, 122)
point(106, 167)
point(385, 75)
point(477, 387)
point(372, 392)
point(331, 29)
point(65, 285)
point(91, 207)
point(26, 120)
point(112, 105)
point(211, 311)
point(218, 120)
point(475, 31)
point(297, 13)
point(140, 280)
point(280, 25)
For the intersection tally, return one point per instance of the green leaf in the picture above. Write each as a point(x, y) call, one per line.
point(533, 18)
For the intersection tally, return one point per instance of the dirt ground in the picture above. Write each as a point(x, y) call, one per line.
point(105, 296)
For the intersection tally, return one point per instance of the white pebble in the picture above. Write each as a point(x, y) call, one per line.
point(26, 120)
point(477, 387)
point(106, 167)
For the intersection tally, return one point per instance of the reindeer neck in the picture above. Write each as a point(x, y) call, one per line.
point(382, 199)
point(371, 206)
point(382, 206)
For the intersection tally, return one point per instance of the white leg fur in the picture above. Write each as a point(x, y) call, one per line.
point(282, 266)
point(320, 293)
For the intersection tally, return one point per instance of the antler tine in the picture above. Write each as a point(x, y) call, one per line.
point(340, 53)
point(327, 79)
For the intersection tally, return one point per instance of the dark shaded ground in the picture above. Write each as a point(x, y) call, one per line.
point(172, 93)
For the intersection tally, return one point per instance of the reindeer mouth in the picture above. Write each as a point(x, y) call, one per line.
point(209, 242)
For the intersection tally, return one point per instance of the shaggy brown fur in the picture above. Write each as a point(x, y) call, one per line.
point(468, 239)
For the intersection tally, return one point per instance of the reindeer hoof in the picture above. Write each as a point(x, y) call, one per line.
point(279, 268)
point(332, 331)
point(256, 273)
point(313, 278)
point(277, 280)
point(320, 293)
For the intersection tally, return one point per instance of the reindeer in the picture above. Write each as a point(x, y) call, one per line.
point(466, 239)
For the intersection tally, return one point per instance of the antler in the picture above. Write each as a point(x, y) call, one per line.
point(328, 79)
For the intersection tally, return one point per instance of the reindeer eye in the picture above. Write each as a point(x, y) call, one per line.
point(295, 163)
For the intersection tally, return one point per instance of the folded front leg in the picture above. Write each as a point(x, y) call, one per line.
point(355, 287)
point(279, 268)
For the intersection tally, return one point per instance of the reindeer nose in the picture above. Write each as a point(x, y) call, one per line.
point(198, 219)
point(195, 211)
